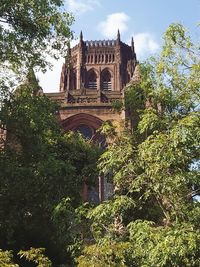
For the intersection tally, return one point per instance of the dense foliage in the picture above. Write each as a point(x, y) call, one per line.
point(40, 167)
point(32, 30)
point(153, 219)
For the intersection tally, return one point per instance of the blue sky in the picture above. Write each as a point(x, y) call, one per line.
point(145, 20)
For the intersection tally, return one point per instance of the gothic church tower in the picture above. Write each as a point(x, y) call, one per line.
point(93, 76)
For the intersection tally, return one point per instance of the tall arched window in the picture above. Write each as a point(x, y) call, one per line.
point(85, 130)
point(106, 82)
point(74, 80)
point(92, 79)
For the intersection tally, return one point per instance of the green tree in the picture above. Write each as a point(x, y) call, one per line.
point(31, 30)
point(153, 220)
point(40, 166)
point(33, 255)
point(6, 259)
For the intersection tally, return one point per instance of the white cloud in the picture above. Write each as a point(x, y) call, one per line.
point(145, 44)
point(81, 6)
point(113, 22)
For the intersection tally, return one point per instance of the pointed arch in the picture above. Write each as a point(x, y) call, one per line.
point(73, 122)
point(92, 76)
point(106, 80)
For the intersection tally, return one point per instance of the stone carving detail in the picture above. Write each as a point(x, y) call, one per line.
point(115, 55)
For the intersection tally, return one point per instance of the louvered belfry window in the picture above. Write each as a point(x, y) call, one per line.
point(92, 80)
point(106, 81)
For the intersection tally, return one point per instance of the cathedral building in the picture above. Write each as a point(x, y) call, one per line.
point(93, 77)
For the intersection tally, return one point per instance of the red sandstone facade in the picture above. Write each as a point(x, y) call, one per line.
point(93, 76)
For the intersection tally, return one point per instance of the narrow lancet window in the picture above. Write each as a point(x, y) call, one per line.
point(92, 80)
point(106, 82)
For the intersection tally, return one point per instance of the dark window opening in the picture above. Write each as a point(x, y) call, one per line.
point(92, 80)
point(93, 196)
point(74, 80)
point(85, 130)
point(106, 81)
point(106, 58)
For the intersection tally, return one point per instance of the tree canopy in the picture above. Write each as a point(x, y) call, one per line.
point(153, 219)
point(42, 172)
point(31, 30)
point(42, 169)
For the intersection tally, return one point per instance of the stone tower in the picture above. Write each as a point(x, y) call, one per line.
point(93, 76)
